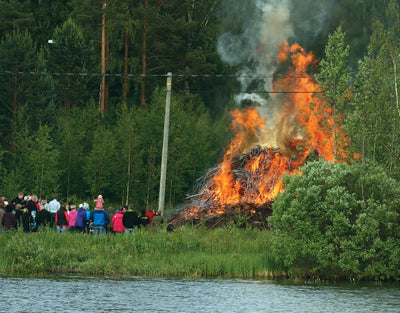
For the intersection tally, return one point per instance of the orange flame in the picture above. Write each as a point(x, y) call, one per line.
point(305, 125)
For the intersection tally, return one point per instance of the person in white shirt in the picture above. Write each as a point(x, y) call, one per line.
point(53, 206)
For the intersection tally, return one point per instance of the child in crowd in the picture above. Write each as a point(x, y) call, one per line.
point(99, 202)
point(33, 222)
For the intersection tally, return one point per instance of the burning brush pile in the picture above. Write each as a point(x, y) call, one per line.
point(252, 182)
point(242, 187)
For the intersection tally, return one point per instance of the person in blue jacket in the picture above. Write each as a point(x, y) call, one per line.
point(100, 220)
point(81, 219)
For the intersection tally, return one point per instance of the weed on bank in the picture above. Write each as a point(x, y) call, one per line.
point(187, 252)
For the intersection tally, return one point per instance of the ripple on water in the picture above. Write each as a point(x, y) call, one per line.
point(177, 295)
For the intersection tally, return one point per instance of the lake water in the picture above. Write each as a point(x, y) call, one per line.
point(58, 295)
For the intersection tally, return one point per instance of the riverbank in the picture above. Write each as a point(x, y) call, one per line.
point(187, 253)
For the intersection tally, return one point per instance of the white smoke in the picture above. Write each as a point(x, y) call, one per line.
point(257, 29)
point(256, 46)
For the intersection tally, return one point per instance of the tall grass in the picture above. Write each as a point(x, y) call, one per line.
point(188, 252)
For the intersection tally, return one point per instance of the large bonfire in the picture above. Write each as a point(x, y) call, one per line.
point(243, 186)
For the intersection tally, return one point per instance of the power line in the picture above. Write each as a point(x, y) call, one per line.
point(281, 76)
point(254, 76)
point(133, 91)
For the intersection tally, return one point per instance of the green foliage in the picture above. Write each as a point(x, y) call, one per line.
point(75, 133)
point(374, 120)
point(43, 160)
point(338, 221)
point(98, 171)
point(71, 53)
point(187, 252)
point(19, 53)
point(192, 148)
point(334, 81)
point(334, 78)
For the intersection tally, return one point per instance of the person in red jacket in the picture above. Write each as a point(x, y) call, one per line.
point(118, 226)
point(150, 213)
point(62, 219)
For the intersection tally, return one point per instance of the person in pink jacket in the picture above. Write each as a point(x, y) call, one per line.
point(118, 226)
point(99, 202)
point(72, 218)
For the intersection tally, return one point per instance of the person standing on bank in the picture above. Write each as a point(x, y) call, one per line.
point(33, 204)
point(53, 207)
point(81, 219)
point(73, 213)
point(100, 220)
point(150, 213)
point(8, 220)
point(62, 219)
point(130, 220)
point(2, 211)
point(19, 199)
point(157, 221)
point(118, 226)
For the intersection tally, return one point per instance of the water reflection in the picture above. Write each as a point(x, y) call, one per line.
point(174, 295)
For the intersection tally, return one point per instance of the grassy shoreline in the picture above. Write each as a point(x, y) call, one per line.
point(186, 253)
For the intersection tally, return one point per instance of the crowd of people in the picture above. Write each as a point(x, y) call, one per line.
point(31, 214)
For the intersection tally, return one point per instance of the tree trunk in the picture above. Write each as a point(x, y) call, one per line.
point(69, 168)
point(334, 132)
point(125, 82)
point(144, 58)
point(104, 57)
point(128, 182)
point(395, 84)
point(67, 98)
point(15, 107)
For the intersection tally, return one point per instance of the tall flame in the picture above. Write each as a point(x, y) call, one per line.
point(304, 125)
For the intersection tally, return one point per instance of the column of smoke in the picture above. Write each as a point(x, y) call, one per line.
point(257, 28)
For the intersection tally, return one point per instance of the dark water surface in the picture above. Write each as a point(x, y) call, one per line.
point(175, 295)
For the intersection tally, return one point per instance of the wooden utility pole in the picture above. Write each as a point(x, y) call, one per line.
point(161, 200)
point(103, 62)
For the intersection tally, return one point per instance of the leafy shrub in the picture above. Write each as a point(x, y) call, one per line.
point(338, 221)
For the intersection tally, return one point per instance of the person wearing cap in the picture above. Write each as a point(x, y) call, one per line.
point(33, 222)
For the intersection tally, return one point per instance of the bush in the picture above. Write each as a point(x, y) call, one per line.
point(338, 221)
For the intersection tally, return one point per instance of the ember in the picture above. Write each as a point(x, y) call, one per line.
point(244, 185)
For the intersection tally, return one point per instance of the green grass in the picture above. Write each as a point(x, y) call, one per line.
point(188, 252)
